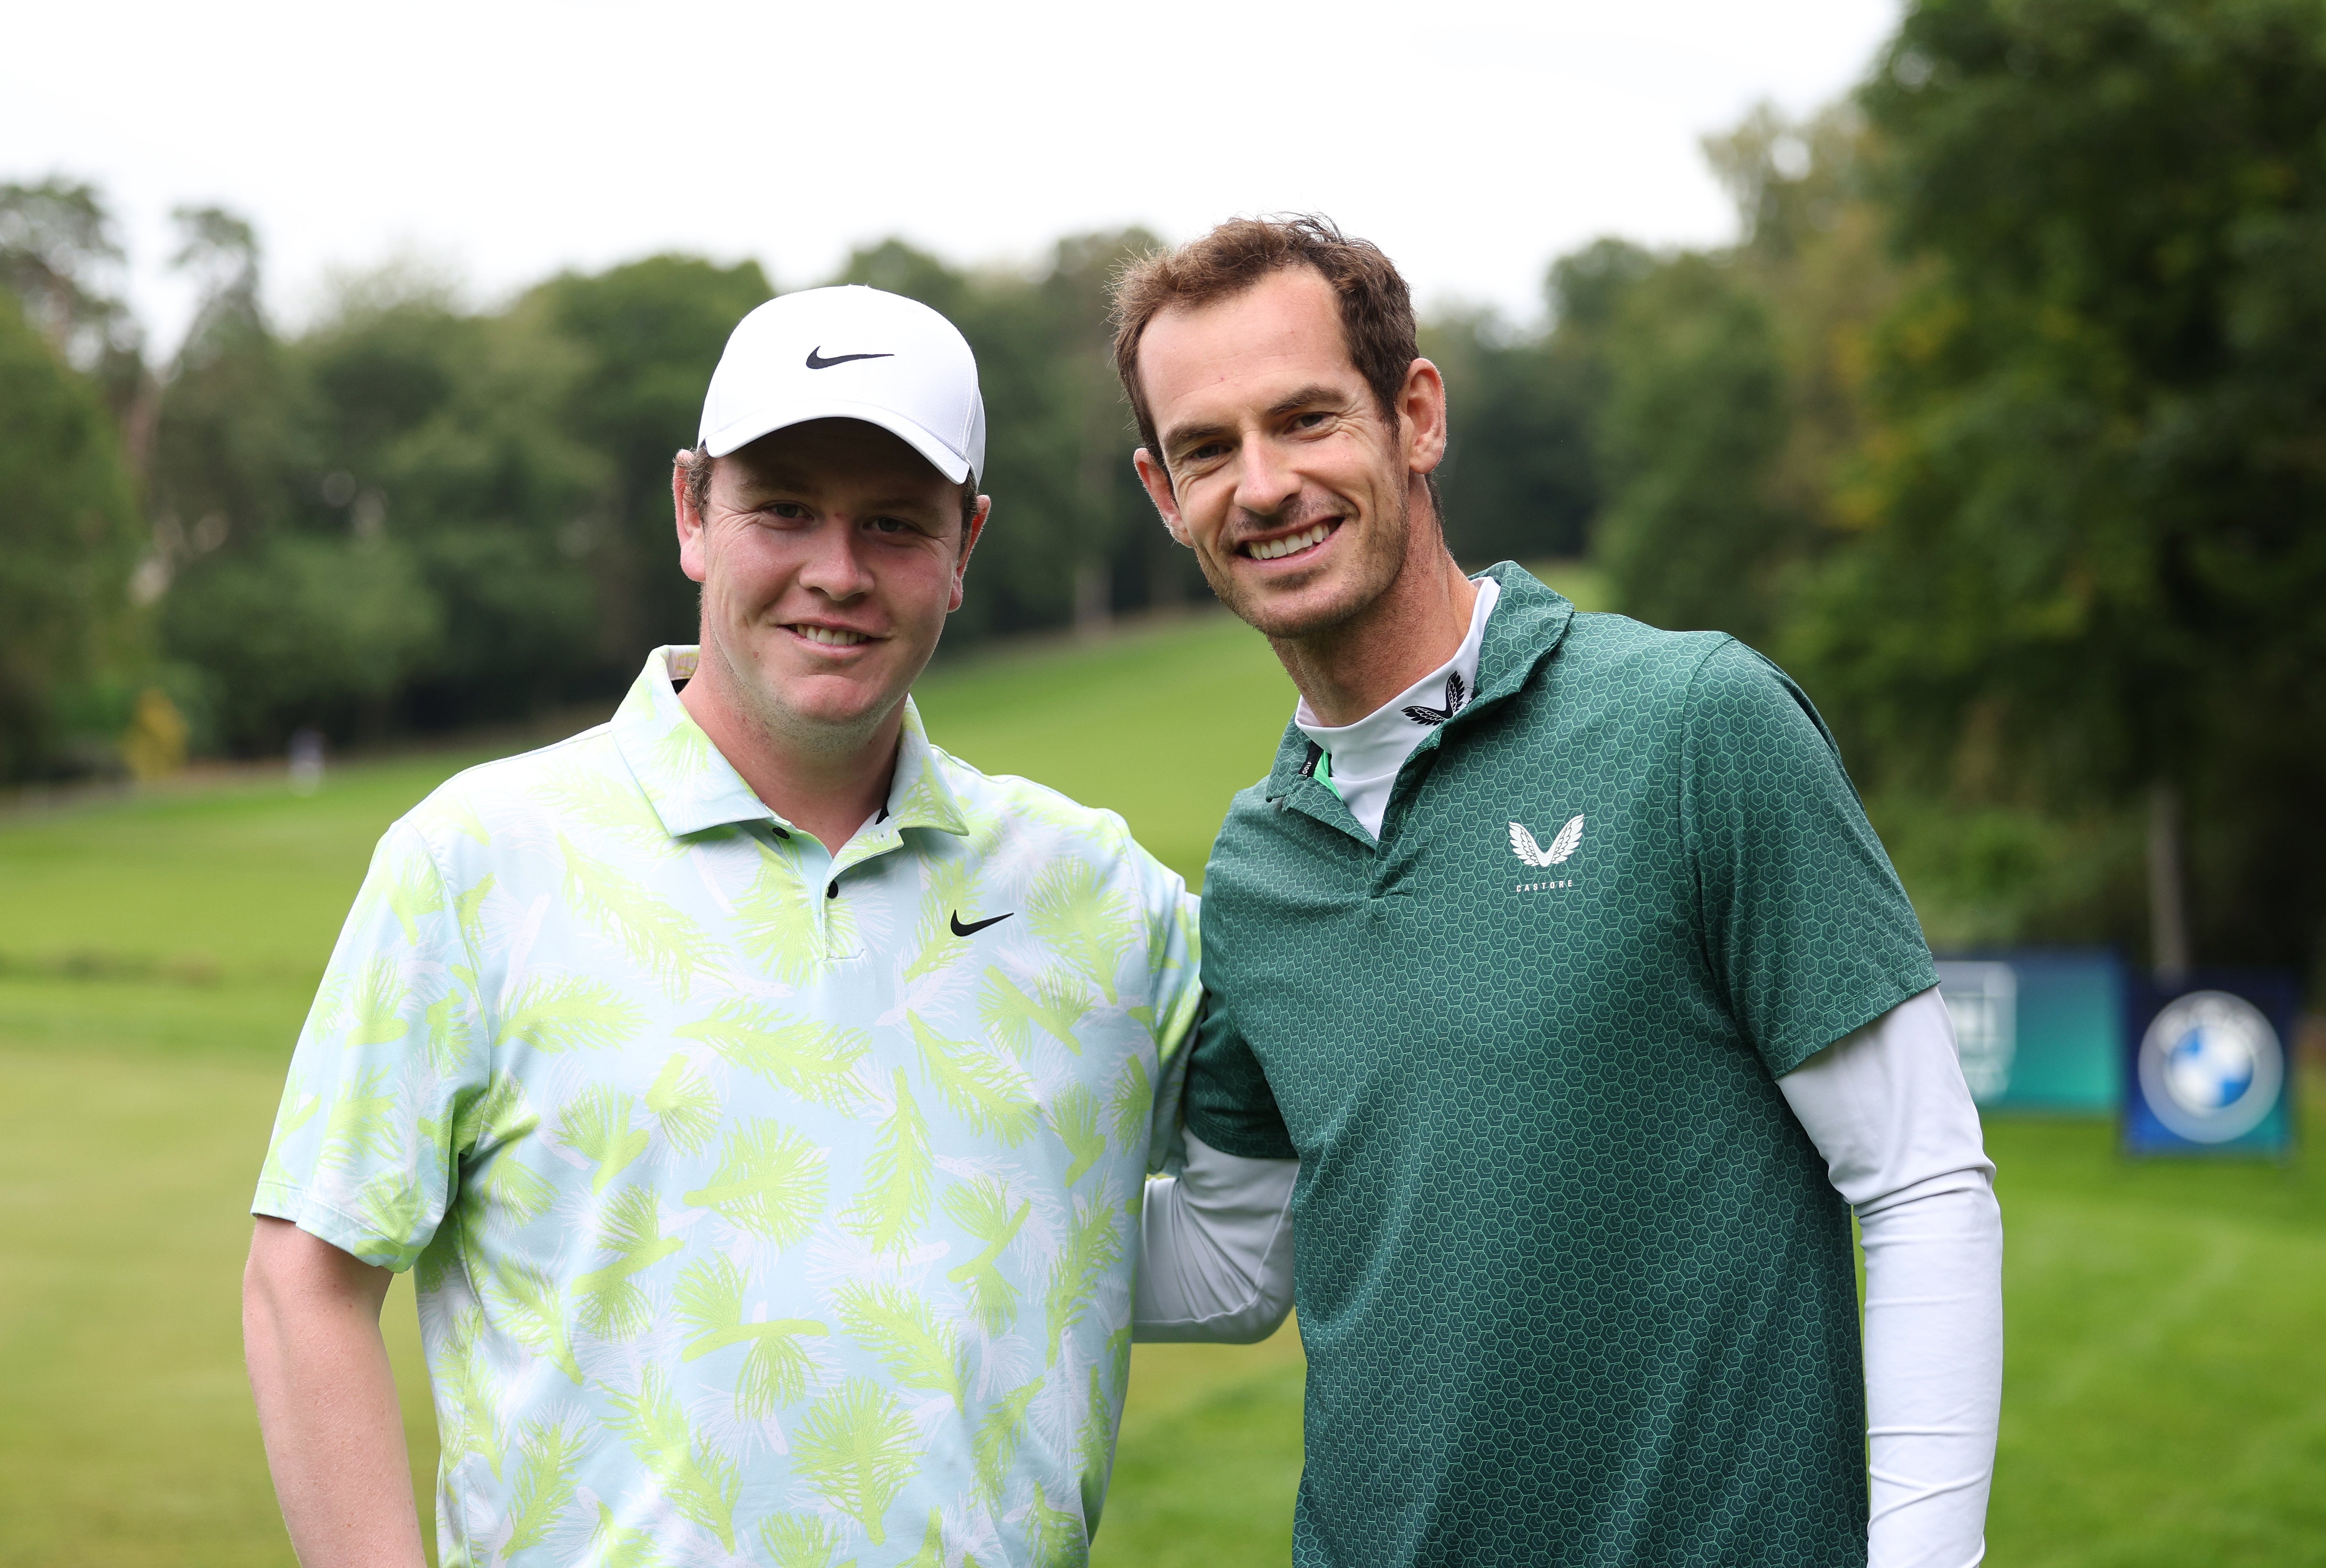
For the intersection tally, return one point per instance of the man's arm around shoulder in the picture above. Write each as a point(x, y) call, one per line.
point(327, 1403)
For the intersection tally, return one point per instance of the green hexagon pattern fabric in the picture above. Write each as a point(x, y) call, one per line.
point(1574, 1286)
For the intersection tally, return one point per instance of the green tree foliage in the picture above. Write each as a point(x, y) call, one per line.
point(644, 336)
point(1735, 385)
point(69, 542)
point(2089, 531)
point(61, 258)
point(1523, 479)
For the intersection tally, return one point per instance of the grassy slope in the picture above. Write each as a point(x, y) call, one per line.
point(2165, 1404)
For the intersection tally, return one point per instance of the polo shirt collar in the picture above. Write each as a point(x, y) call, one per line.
point(1526, 627)
point(693, 787)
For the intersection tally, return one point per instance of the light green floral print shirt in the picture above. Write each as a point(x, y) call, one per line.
point(767, 1206)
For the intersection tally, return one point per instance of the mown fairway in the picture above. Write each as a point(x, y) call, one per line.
point(2168, 1378)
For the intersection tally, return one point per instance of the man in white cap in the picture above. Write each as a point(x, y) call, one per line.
point(761, 1095)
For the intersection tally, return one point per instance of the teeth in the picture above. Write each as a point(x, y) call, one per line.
point(1273, 548)
point(831, 635)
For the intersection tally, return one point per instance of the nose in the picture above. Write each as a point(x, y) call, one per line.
point(832, 566)
point(1265, 481)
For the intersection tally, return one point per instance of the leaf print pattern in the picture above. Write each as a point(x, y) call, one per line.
point(919, 1351)
point(657, 936)
point(1130, 1105)
point(528, 1304)
point(801, 1541)
point(950, 885)
point(1000, 1431)
point(1082, 919)
point(378, 1006)
point(771, 1184)
point(816, 1061)
point(468, 1411)
point(983, 1209)
point(896, 1196)
point(570, 1013)
point(549, 1456)
point(1074, 1117)
point(856, 1449)
point(777, 919)
point(1061, 1539)
point(685, 1105)
point(1093, 1245)
point(362, 1122)
point(1059, 1002)
point(596, 1125)
point(606, 1301)
point(612, 1545)
point(775, 1368)
point(697, 1480)
point(932, 1552)
point(737, 1212)
point(993, 1096)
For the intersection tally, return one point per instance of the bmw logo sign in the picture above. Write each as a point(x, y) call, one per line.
point(2211, 1067)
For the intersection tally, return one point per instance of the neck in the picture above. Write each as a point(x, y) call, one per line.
point(1350, 670)
point(823, 784)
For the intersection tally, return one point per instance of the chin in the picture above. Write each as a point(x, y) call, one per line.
point(1307, 610)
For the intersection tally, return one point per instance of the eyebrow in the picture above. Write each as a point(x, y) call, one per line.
point(797, 485)
point(1309, 396)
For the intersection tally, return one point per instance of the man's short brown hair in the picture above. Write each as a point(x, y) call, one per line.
point(1376, 308)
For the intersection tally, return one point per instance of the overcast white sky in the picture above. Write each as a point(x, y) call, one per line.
point(1473, 139)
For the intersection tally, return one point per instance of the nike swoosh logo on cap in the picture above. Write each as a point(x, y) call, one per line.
point(815, 360)
point(974, 926)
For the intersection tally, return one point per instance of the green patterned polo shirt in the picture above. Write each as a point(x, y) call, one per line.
point(1574, 1286)
point(766, 1206)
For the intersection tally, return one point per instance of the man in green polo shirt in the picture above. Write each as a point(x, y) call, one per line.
point(760, 1095)
point(1559, 953)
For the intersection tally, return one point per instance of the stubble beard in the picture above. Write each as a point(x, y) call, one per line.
point(758, 702)
point(1380, 557)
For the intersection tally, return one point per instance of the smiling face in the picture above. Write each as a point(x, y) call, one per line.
point(1300, 498)
point(830, 554)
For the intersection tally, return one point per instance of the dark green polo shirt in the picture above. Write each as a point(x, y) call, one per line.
point(1573, 1288)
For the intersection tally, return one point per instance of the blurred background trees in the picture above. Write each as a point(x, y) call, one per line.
point(2002, 424)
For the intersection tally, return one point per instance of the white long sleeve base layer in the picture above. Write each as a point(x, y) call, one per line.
point(1888, 1108)
point(1215, 1249)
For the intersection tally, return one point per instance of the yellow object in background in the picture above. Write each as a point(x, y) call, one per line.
point(155, 744)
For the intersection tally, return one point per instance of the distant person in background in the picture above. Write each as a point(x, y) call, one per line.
point(1558, 951)
point(760, 1095)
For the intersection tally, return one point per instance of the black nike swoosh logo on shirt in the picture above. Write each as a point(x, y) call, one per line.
point(974, 926)
point(815, 360)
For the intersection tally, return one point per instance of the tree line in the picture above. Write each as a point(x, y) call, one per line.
point(2002, 424)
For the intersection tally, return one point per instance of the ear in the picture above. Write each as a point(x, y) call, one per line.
point(692, 557)
point(1158, 484)
point(1422, 404)
point(970, 534)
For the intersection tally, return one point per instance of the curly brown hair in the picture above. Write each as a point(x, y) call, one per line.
point(1376, 307)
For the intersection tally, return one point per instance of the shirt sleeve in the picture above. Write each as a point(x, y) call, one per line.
point(1215, 1251)
point(1230, 1105)
point(394, 1047)
point(1174, 947)
point(1888, 1108)
point(1806, 926)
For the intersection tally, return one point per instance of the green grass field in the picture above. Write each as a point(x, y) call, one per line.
point(2167, 1395)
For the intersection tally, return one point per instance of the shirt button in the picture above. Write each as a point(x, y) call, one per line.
point(832, 890)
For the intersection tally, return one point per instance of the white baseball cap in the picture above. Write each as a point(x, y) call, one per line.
point(849, 353)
